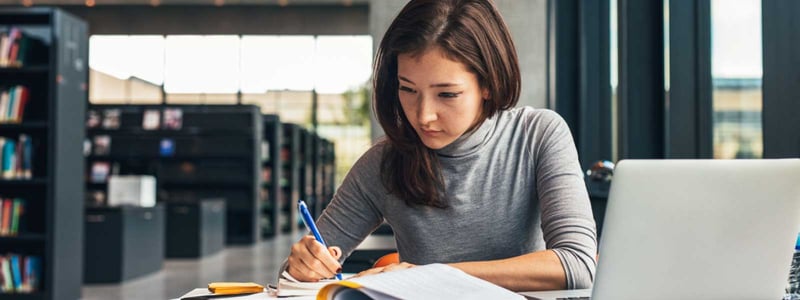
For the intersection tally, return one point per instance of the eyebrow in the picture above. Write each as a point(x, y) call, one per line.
point(446, 84)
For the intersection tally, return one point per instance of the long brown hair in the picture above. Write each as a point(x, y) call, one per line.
point(468, 31)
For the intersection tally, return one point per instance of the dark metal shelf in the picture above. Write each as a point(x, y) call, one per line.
point(23, 182)
point(168, 133)
point(23, 237)
point(25, 125)
point(23, 296)
point(41, 69)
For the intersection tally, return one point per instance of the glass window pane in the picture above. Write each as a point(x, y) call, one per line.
point(277, 63)
point(613, 47)
point(126, 69)
point(202, 64)
point(342, 62)
point(736, 73)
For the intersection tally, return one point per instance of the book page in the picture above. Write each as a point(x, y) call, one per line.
point(434, 281)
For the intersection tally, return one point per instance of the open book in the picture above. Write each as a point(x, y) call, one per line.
point(434, 281)
point(287, 287)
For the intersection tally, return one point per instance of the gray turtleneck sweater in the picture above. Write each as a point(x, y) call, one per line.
point(514, 186)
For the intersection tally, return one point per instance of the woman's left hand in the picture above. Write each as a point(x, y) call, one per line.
point(388, 268)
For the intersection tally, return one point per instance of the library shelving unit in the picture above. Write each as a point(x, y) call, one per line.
point(50, 61)
point(290, 157)
point(271, 176)
point(307, 172)
point(316, 174)
point(196, 152)
point(326, 168)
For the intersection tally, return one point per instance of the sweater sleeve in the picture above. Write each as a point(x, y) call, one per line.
point(567, 222)
point(353, 213)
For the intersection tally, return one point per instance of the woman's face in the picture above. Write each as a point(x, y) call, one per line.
point(441, 98)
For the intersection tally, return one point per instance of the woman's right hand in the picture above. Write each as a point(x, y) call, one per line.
point(310, 261)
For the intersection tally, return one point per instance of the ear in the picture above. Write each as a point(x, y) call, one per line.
point(485, 94)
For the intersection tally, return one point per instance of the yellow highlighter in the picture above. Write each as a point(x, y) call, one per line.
point(234, 288)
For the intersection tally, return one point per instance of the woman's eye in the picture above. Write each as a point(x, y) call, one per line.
point(449, 95)
point(407, 89)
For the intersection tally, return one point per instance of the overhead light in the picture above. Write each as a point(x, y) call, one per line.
point(219, 2)
point(27, 2)
point(155, 2)
point(347, 2)
point(90, 3)
point(283, 2)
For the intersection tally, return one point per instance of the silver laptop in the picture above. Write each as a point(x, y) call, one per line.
point(698, 229)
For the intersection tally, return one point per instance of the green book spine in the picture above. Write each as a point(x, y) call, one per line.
point(16, 215)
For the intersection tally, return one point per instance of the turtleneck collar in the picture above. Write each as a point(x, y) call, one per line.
point(470, 142)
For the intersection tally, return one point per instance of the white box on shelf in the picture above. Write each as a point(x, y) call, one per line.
point(134, 190)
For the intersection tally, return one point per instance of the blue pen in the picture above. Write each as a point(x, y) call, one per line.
point(313, 227)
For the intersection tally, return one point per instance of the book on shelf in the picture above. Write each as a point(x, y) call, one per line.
point(93, 119)
point(96, 198)
point(166, 147)
point(266, 175)
point(265, 151)
point(151, 119)
point(87, 147)
point(16, 157)
point(173, 118)
point(102, 145)
point(11, 216)
point(100, 171)
point(17, 48)
point(12, 103)
point(20, 273)
point(111, 118)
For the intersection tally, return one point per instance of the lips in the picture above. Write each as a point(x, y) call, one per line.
point(430, 132)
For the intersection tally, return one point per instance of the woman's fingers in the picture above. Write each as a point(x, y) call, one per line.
point(323, 259)
point(301, 271)
point(370, 272)
point(395, 267)
point(310, 261)
point(336, 252)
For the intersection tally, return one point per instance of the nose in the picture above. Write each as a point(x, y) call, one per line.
point(426, 110)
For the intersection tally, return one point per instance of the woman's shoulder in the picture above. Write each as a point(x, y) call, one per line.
point(536, 119)
point(369, 163)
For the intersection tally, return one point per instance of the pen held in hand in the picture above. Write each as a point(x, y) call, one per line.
point(309, 221)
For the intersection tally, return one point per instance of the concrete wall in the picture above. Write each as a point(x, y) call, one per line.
point(527, 21)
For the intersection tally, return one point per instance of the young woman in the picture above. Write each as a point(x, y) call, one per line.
point(462, 177)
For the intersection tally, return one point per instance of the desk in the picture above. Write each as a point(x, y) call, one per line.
point(546, 295)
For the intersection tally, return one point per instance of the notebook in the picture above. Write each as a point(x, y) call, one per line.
point(288, 287)
point(434, 281)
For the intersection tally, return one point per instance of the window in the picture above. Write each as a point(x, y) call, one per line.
point(736, 75)
point(278, 73)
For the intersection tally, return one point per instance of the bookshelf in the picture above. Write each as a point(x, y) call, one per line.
point(291, 166)
point(194, 151)
point(326, 168)
point(307, 172)
point(271, 176)
point(49, 59)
